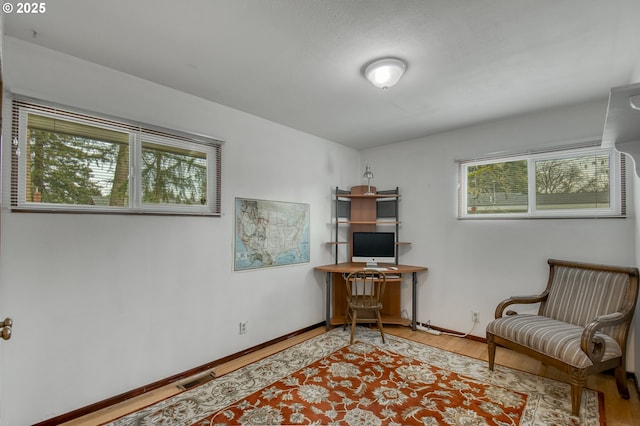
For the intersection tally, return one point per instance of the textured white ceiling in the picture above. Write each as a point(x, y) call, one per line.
point(298, 62)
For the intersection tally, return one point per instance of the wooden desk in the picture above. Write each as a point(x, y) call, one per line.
point(391, 311)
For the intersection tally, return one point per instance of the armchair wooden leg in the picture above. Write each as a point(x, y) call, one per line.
point(576, 399)
point(577, 379)
point(491, 346)
point(621, 380)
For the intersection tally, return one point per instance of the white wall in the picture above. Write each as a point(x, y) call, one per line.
point(475, 264)
point(104, 304)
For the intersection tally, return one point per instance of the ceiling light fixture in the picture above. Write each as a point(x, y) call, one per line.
point(385, 72)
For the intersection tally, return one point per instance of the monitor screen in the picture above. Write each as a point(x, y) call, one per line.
point(373, 247)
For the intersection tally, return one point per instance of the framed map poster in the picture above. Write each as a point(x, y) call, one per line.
point(270, 233)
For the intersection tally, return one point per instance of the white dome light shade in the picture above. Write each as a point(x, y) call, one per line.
point(385, 72)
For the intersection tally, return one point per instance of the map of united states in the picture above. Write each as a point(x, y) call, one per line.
point(270, 233)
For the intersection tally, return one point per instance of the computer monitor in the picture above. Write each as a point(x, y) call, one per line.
point(373, 247)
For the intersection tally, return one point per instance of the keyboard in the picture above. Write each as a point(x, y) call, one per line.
point(375, 268)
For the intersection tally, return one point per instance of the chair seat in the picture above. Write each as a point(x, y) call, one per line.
point(362, 303)
point(553, 338)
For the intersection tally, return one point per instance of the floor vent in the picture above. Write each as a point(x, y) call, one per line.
point(197, 381)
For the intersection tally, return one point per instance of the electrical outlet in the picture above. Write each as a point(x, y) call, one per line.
point(243, 327)
point(475, 316)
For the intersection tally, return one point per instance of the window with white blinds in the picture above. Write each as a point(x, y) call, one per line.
point(584, 181)
point(65, 160)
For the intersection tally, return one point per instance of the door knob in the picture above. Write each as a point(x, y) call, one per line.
point(5, 328)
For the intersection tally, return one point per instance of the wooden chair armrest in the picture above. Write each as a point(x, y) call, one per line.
point(518, 300)
point(592, 345)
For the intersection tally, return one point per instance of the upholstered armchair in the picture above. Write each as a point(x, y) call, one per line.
point(581, 326)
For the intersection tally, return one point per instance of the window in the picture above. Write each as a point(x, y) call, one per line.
point(64, 160)
point(576, 182)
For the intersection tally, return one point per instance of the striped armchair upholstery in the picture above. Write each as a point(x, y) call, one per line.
point(582, 323)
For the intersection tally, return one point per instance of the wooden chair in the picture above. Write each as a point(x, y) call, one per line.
point(365, 289)
point(581, 326)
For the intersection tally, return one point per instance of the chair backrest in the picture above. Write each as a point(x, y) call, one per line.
point(365, 289)
point(578, 293)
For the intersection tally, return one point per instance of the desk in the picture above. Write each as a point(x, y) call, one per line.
point(391, 311)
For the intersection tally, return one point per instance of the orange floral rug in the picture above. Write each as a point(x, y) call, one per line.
point(365, 385)
point(326, 381)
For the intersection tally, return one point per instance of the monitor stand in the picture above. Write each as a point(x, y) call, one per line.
point(373, 266)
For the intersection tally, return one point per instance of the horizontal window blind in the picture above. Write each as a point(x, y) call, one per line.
point(577, 180)
point(88, 133)
point(587, 143)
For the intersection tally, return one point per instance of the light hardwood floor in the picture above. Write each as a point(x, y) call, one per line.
point(618, 411)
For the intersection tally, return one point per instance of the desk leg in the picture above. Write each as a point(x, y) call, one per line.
point(327, 314)
point(414, 301)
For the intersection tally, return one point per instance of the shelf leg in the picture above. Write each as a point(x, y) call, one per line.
point(414, 301)
point(328, 281)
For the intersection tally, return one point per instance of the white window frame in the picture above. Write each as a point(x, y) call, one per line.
point(138, 134)
point(617, 191)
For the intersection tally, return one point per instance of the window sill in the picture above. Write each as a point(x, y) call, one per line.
point(113, 212)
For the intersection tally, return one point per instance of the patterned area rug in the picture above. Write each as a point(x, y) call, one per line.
point(324, 381)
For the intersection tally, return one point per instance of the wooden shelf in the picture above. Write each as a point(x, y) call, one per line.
point(393, 277)
point(368, 222)
point(368, 196)
point(398, 243)
point(359, 211)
